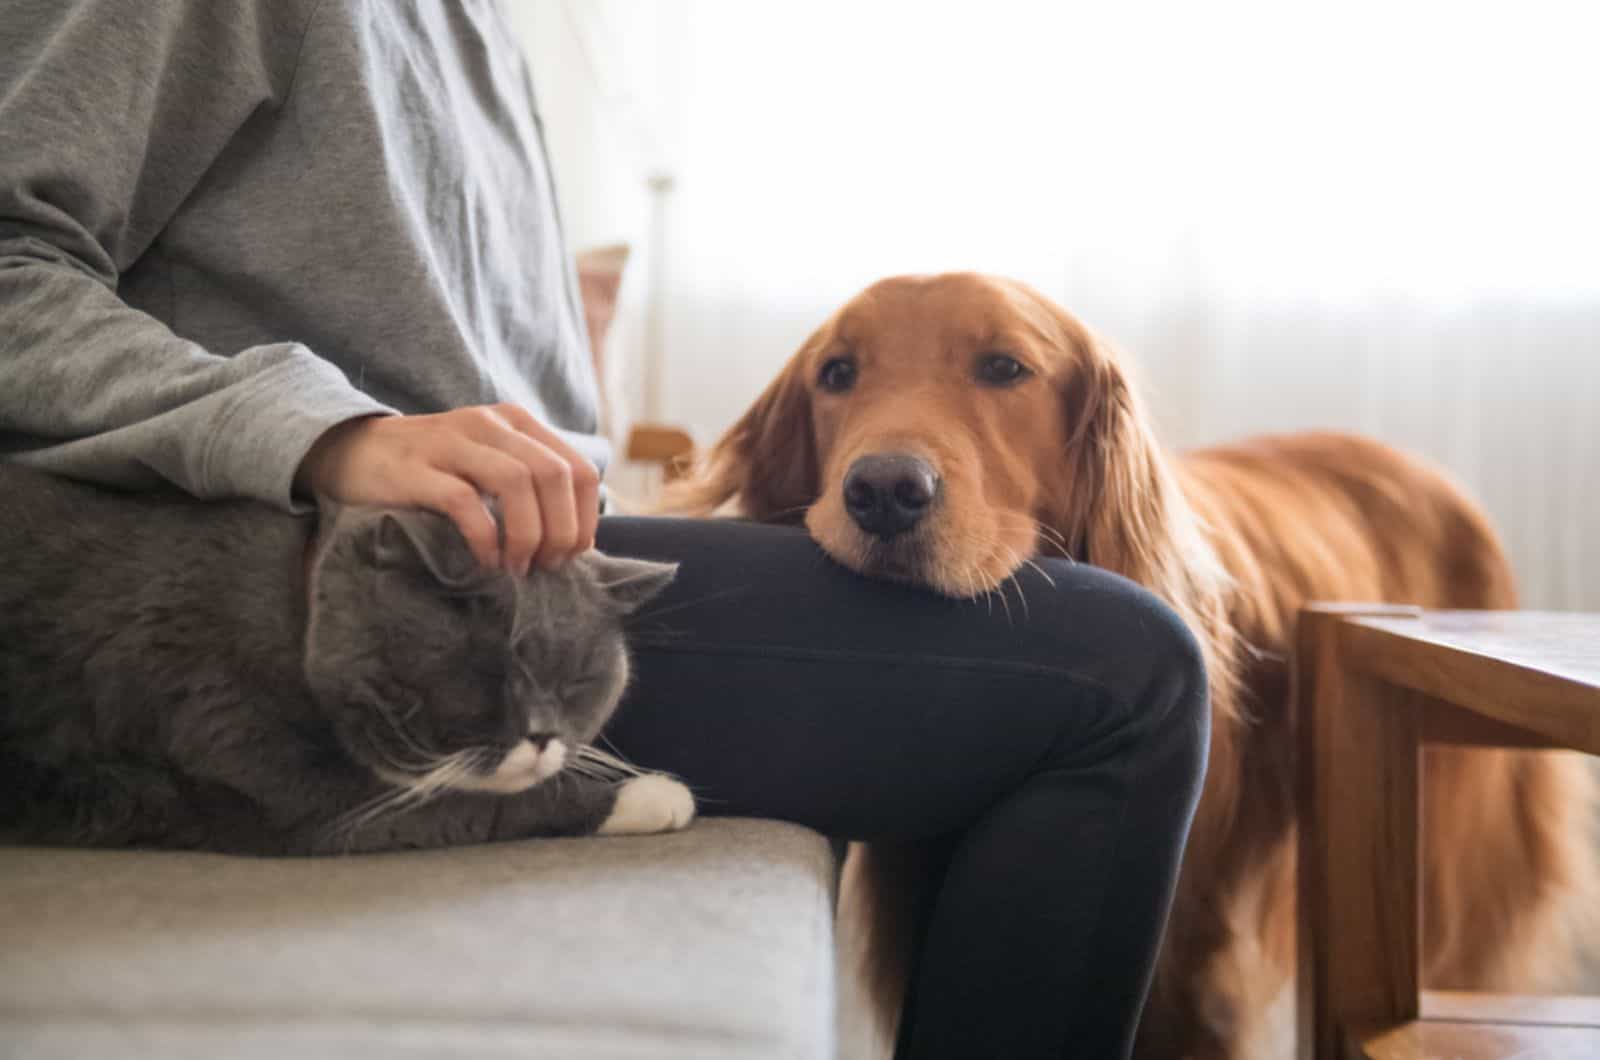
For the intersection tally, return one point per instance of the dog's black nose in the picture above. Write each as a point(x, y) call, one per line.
point(889, 493)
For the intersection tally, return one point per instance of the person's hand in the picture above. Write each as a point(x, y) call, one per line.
point(548, 493)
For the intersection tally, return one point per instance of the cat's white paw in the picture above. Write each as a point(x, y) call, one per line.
point(651, 803)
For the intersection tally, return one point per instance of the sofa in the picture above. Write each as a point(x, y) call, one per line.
point(716, 942)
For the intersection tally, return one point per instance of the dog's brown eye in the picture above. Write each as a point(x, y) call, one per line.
point(838, 375)
point(996, 369)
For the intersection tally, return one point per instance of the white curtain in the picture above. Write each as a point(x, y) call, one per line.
point(1377, 218)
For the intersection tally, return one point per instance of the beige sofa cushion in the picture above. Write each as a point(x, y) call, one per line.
point(715, 942)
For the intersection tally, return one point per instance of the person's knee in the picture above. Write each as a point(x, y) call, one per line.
point(1186, 721)
point(1181, 653)
point(1149, 663)
point(1173, 712)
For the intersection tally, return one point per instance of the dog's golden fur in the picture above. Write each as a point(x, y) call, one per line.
point(1063, 461)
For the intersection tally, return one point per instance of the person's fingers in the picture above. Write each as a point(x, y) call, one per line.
point(512, 482)
point(548, 492)
point(586, 497)
point(523, 523)
point(585, 478)
point(457, 498)
point(552, 478)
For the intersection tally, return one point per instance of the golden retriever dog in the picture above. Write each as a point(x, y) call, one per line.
point(1034, 436)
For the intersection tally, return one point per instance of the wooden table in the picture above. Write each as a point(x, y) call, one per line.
point(1372, 685)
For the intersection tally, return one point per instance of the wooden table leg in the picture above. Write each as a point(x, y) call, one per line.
point(1359, 927)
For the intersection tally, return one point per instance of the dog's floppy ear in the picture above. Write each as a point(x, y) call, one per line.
point(1119, 492)
point(767, 462)
point(1119, 505)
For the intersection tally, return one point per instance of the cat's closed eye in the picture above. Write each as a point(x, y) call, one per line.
point(579, 687)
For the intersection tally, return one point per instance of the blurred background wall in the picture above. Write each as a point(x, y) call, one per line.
point(1379, 218)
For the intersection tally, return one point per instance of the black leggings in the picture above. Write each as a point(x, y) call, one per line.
point(1054, 744)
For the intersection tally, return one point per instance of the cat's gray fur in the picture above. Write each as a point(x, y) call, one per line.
point(171, 675)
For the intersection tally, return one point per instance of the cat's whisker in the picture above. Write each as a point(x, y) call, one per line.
point(450, 771)
point(645, 616)
point(363, 816)
point(424, 761)
point(399, 730)
point(592, 773)
point(616, 754)
point(418, 788)
point(588, 754)
point(395, 726)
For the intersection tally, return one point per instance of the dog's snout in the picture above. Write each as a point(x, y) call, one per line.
point(887, 494)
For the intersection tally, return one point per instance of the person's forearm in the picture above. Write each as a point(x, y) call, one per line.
point(96, 389)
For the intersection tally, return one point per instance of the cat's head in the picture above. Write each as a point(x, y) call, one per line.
point(437, 674)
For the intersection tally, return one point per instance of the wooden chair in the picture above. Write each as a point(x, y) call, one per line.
point(1372, 686)
point(670, 447)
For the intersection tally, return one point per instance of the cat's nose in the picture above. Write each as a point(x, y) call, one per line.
point(541, 739)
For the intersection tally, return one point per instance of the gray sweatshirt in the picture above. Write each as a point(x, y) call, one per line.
point(227, 225)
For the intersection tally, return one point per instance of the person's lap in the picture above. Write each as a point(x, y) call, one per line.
point(1052, 736)
point(781, 684)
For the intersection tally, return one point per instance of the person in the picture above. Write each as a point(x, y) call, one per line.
point(290, 249)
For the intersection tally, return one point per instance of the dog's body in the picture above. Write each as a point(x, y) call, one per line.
point(1506, 844)
point(940, 430)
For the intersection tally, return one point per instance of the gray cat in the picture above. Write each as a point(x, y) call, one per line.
point(224, 676)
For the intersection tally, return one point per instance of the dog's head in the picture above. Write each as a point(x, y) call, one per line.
point(941, 430)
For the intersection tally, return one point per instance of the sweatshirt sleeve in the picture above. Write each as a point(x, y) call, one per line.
point(110, 115)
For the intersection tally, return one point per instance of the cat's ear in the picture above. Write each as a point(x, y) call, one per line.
point(404, 536)
point(631, 583)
